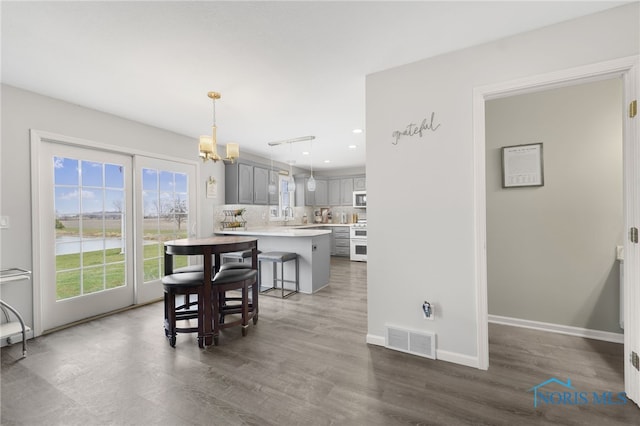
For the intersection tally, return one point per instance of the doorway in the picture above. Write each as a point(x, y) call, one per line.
point(627, 69)
point(551, 249)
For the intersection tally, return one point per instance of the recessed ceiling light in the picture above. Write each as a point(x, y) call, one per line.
point(352, 146)
point(357, 130)
point(327, 161)
point(305, 153)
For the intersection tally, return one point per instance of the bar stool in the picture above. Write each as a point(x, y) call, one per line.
point(238, 256)
point(280, 257)
point(234, 279)
point(186, 284)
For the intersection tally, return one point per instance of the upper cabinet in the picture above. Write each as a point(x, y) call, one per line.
point(260, 185)
point(246, 183)
point(334, 192)
point(346, 191)
point(340, 189)
point(321, 194)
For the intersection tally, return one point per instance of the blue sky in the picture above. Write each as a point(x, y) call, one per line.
point(100, 186)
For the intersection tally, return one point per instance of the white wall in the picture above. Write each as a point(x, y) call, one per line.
point(551, 253)
point(22, 111)
point(420, 191)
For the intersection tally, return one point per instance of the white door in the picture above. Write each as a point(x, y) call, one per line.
point(165, 210)
point(631, 246)
point(86, 229)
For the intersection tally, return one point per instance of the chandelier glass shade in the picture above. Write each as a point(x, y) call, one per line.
point(208, 145)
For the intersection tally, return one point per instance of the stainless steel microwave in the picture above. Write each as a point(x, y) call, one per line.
point(360, 199)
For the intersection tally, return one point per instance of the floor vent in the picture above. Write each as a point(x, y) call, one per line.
point(413, 342)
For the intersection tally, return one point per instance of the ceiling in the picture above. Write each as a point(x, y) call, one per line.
point(284, 69)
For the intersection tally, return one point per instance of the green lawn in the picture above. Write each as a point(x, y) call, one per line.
point(105, 269)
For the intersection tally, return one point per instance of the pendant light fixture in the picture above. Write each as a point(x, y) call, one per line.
point(208, 145)
point(311, 183)
point(291, 183)
point(272, 185)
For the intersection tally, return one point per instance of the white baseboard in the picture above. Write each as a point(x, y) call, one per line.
point(456, 358)
point(375, 340)
point(557, 328)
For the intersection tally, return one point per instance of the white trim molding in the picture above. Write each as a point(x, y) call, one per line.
point(622, 67)
point(607, 336)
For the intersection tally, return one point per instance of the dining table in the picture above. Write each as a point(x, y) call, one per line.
point(210, 248)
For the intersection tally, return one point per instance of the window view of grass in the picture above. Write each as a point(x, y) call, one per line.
point(91, 271)
point(89, 199)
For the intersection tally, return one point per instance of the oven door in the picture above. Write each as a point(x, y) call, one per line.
point(358, 250)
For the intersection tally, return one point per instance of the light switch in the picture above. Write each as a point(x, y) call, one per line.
point(4, 222)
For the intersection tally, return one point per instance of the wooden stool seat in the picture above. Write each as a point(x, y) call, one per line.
point(234, 279)
point(186, 284)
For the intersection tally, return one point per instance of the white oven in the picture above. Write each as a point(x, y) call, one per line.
point(358, 242)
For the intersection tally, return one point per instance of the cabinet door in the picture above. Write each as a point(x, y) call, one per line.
point(359, 183)
point(260, 185)
point(302, 199)
point(274, 199)
point(321, 198)
point(334, 192)
point(245, 184)
point(346, 191)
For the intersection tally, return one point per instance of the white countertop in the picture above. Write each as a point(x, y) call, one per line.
point(278, 231)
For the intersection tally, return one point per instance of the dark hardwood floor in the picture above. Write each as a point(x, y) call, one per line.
point(305, 362)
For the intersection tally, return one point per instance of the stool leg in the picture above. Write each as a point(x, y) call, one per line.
point(275, 275)
point(215, 299)
point(201, 334)
point(170, 317)
point(255, 290)
point(297, 274)
point(282, 277)
point(245, 308)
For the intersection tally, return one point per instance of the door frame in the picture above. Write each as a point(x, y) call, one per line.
point(628, 69)
point(36, 138)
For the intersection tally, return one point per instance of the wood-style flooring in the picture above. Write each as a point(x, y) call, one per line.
point(305, 363)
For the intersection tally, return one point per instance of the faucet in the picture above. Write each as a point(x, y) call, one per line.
point(288, 212)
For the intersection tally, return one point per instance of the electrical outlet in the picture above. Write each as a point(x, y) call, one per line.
point(427, 311)
point(4, 222)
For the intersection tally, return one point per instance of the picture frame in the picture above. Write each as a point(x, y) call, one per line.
point(522, 166)
point(212, 189)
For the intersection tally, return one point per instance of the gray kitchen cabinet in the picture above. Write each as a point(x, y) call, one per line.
point(260, 185)
point(359, 183)
point(333, 198)
point(321, 195)
point(303, 197)
point(246, 183)
point(341, 241)
point(238, 183)
point(346, 191)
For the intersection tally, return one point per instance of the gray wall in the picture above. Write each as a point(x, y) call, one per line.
point(551, 249)
point(23, 110)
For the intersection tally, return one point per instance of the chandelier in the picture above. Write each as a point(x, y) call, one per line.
point(209, 144)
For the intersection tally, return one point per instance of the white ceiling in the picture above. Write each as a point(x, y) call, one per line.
point(284, 69)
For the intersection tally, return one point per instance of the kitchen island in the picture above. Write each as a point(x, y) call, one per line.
point(312, 246)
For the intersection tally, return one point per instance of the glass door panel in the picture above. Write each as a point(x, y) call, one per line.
point(168, 191)
point(88, 272)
